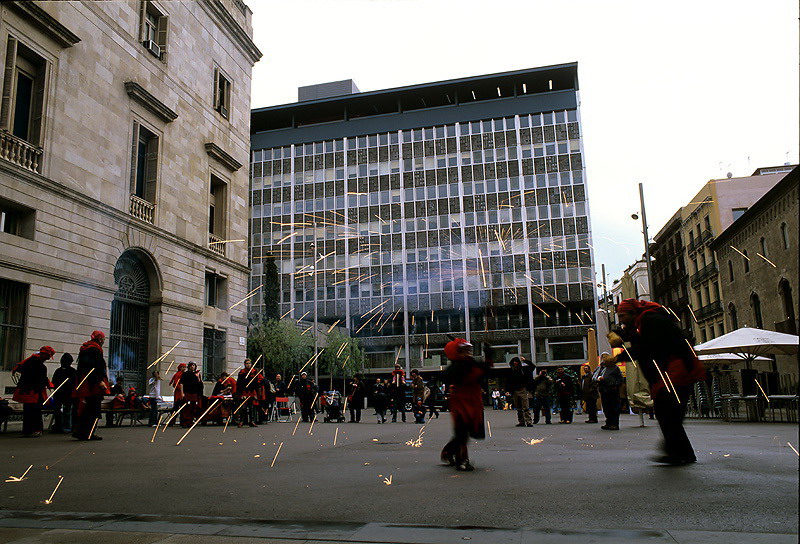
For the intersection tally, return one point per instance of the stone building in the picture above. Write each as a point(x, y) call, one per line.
point(684, 243)
point(759, 263)
point(634, 283)
point(124, 140)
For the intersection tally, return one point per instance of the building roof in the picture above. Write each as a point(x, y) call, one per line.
point(759, 206)
point(497, 86)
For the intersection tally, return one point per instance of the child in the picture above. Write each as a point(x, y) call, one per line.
point(419, 412)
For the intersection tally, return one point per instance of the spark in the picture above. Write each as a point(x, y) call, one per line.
point(665, 382)
point(284, 238)
point(84, 378)
point(249, 296)
point(335, 436)
point(341, 349)
point(53, 494)
point(164, 356)
point(489, 425)
point(770, 262)
point(537, 307)
point(416, 442)
point(15, 479)
point(91, 433)
point(323, 256)
point(673, 387)
point(169, 367)
point(54, 392)
point(388, 481)
point(287, 313)
point(295, 426)
point(533, 441)
point(631, 357)
point(302, 316)
point(225, 242)
point(311, 427)
point(334, 324)
point(276, 455)
point(375, 308)
point(762, 391)
point(367, 322)
point(794, 450)
point(240, 406)
point(483, 271)
point(198, 421)
point(173, 416)
point(740, 253)
point(692, 312)
point(160, 419)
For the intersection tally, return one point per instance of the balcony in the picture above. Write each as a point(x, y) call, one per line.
point(700, 241)
point(708, 311)
point(215, 244)
point(142, 210)
point(19, 152)
point(707, 272)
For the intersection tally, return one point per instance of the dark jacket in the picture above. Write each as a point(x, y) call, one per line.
point(612, 380)
point(92, 366)
point(32, 375)
point(541, 386)
point(588, 387)
point(564, 386)
point(380, 399)
point(191, 383)
point(61, 375)
point(521, 377)
point(356, 391)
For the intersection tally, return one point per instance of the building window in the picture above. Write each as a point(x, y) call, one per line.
point(720, 329)
point(217, 205)
point(763, 247)
point(222, 93)
point(215, 290)
point(784, 236)
point(730, 271)
point(707, 223)
point(746, 261)
point(24, 92)
point(154, 25)
point(785, 291)
point(733, 316)
point(213, 353)
point(16, 219)
point(738, 212)
point(13, 311)
point(755, 303)
point(144, 163)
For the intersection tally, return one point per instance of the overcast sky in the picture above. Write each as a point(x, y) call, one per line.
point(672, 95)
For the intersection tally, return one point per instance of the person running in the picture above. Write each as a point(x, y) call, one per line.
point(64, 383)
point(670, 367)
point(31, 390)
point(464, 375)
point(92, 380)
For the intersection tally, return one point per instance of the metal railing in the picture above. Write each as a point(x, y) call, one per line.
point(709, 310)
point(215, 245)
point(698, 242)
point(17, 151)
point(142, 209)
point(708, 271)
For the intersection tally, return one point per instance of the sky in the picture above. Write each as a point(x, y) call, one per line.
point(671, 94)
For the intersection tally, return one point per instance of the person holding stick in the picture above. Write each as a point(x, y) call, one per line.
point(31, 390)
point(248, 383)
point(92, 382)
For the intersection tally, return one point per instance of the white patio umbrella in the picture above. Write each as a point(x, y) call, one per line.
point(726, 358)
point(751, 343)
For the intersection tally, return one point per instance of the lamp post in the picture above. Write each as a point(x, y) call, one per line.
point(646, 242)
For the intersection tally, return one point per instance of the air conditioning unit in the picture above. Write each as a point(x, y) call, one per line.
point(153, 47)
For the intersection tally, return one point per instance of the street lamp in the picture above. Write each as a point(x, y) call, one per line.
point(635, 217)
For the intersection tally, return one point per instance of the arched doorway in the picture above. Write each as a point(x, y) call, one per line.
point(128, 340)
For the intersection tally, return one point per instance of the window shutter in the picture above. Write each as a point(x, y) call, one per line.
point(134, 148)
point(150, 183)
point(142, 19)
point(37, 119)
point(8, 83)
point(161, 35)
point(216, 89)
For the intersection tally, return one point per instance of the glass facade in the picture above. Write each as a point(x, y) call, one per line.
point(478, 229)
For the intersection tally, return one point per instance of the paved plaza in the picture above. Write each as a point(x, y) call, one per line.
point(540, 484)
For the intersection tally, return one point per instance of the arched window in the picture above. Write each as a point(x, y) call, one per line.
point(733, 317)
point(746, 262)
point(785, 291)
point(755, 303)
point(784, 236)
point(763, 247)
point(730, 270)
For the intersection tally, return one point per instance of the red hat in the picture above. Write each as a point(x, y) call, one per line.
point(48, 350)
point(181, 365)
point(452, 349)
point(635, 306)
point(98, 335)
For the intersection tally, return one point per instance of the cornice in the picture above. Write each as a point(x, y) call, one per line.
point(142, 96)
point(56, 188)
point(232, 29)
point(55, 274)
point(45, 22)
point(222, 156)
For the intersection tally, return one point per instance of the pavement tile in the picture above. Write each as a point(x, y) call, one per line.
point(286, 530)
point(714, 537)
point(565, 536)
point(162, 526)
point(11, 534)
point(420, 534)
point(66, 536)
point(212, 539)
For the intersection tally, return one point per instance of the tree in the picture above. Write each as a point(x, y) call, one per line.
point(343, 356)
point(281, 345)
point(272, 289)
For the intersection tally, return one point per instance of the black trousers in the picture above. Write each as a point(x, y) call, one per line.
point(669, 413)
point(62, 415)
point(307, 409)
point(89, 413)
point(355, 411)
point(591, 408)
point(32, 418)
point(457, 447)
point(399, 405)
point(565, 405)
point(611, 407)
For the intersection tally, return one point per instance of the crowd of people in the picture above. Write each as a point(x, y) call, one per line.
point(250, 398)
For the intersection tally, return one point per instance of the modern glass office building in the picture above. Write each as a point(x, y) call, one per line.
point(457, 207)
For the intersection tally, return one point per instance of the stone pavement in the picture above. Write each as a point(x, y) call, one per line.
point(578, 484)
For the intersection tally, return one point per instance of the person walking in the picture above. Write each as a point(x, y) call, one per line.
point(671, 368)
point(565, 389)
point(306, 392)
point(31, 390)
point(589, 394)
point(465, 375)
point(495, 399)
point(541, 397)
point(609, 381)
point(92, 380)
point(355, 398)
point(64, 383)
point(519, 383)
point(154, 394)
point(380, 401)
point(397, 390)
point(432, 395)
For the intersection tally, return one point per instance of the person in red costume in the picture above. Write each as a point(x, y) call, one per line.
point(670, 367)
point(249, 387)
point(31, 390)
point(92, 384)
point(464, 376)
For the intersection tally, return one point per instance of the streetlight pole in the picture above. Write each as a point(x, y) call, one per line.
point(646, 243)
